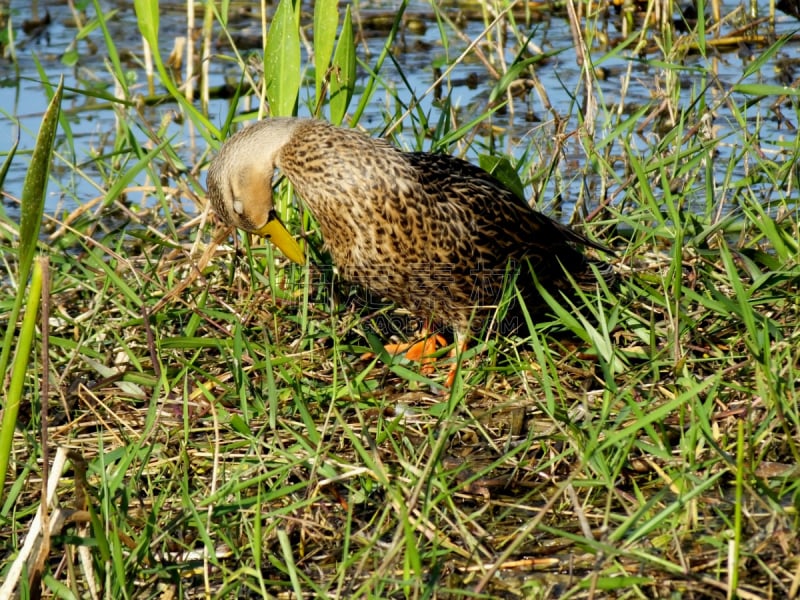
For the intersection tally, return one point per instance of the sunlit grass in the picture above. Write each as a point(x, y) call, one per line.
point(232, 435)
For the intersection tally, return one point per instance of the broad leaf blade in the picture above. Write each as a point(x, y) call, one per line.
point(343, 74)
point(35, 186)
point(31, 211)
point(326, 20)
point(502, 169)
point(282, 61)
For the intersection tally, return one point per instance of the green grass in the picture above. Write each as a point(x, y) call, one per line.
point(228, 436)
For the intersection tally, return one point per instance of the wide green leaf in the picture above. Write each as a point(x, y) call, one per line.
point(31, 211)
point(326, 20)
point(282, 61)
point(504, 171)
point(343, 73)
point(148, 20)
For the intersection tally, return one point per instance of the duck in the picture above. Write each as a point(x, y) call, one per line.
point(431, 232)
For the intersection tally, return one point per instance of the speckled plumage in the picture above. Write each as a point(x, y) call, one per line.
point(430, 231)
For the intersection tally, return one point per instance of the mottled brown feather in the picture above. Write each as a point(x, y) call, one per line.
point(432, 232)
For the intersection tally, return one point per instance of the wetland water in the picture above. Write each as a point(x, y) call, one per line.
point(627, 83)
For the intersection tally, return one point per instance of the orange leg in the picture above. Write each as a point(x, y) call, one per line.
point(459, 347)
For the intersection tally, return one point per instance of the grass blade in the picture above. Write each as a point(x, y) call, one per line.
point(32, 209)
point(14, 392)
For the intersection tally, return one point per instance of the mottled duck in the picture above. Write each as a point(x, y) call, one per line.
point(432, 232)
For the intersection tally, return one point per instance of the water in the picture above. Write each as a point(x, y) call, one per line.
point(528, 126)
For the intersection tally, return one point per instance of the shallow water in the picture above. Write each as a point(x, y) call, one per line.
point(527, 125)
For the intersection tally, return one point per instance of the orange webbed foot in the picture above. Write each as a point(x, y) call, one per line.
point(421, 351)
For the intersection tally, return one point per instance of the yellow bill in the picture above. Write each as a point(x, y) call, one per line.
point(278, 235)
